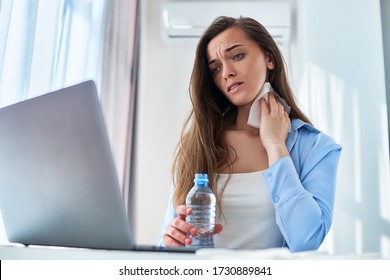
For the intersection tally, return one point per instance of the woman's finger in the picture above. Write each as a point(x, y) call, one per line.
point(171, 242)
point(218, 228)
point(183, 211)
point(183, 226)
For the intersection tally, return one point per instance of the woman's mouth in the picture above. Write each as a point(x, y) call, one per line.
point(232, 87)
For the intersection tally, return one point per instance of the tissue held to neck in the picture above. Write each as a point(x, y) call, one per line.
point(254, 118)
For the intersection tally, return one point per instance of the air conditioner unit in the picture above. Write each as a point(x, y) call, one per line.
point(189, 19)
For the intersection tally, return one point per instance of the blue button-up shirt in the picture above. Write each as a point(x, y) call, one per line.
point(301, 187)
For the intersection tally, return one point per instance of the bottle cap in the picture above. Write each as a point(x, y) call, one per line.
point(201, 178)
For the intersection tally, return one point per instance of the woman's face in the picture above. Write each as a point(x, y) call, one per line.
point(238, 65)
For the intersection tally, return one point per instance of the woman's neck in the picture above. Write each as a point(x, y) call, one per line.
point(241, 120)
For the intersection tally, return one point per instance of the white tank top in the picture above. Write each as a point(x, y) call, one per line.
point(248, 218)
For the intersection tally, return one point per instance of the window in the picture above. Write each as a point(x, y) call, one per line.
point(46, 45)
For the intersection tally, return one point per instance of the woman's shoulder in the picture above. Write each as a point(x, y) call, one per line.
point(307, 134)
point(297, 124)
point(308, 145)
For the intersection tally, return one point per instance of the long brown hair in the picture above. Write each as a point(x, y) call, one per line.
point(201, 148)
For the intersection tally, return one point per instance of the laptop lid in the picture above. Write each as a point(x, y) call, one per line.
point(58, 184)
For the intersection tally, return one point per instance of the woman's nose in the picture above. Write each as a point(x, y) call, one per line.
point(228, 71)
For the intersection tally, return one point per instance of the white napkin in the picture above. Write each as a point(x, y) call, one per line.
point(255, 114)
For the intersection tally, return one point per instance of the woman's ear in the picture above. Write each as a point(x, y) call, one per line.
point(270, 62)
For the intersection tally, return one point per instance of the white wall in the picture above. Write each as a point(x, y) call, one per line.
point(337, 74)
point(343, 88)
point(162, 106)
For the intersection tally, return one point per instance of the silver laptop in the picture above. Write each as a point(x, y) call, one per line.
point(58, 184)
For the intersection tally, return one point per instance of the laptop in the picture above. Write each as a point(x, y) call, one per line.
point(58, 183)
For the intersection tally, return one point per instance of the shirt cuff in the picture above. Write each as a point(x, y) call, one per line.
point(283, 181)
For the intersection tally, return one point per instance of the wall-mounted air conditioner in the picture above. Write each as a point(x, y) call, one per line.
point(188, 19)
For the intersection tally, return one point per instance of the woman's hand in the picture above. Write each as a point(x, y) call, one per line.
point(274, 127)
point(178, 231)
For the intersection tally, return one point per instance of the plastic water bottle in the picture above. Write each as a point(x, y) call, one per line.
point(202, 201)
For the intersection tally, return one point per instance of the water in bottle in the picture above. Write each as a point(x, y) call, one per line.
point(202, 201)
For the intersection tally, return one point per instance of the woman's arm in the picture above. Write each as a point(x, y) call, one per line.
point(304, 203)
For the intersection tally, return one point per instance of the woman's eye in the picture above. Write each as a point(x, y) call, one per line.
point(238, 56)
point(215, 70)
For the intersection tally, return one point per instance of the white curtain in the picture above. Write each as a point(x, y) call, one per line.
point(118, 82)
point(46, 45)
point(50, 44)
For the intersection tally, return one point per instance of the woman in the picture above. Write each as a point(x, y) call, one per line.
point(274, 184)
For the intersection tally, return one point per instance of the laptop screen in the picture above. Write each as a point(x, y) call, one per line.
point(58, 183)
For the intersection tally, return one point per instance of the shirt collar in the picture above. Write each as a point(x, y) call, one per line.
point(292, 137)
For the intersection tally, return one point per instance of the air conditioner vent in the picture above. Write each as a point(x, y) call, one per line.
point(189, 19)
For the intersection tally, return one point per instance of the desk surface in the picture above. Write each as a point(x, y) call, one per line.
point(58, 253)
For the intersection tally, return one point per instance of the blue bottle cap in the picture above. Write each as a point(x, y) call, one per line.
point(201, 177)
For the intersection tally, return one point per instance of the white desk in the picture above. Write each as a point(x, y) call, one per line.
point(54, 253)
